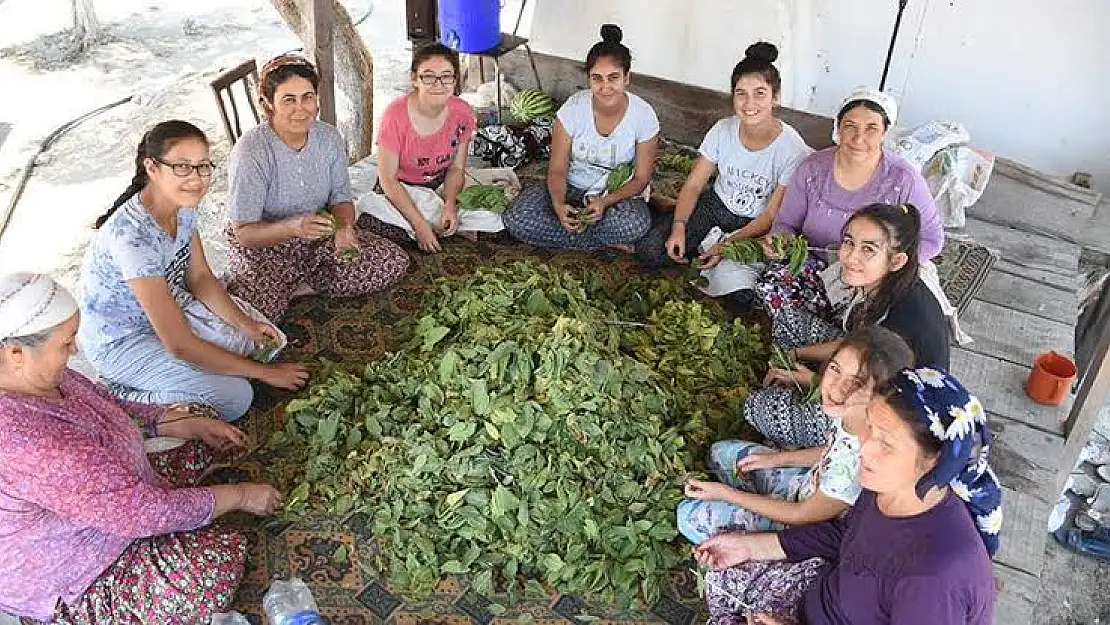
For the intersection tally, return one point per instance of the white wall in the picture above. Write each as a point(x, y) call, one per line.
point(1029, 78)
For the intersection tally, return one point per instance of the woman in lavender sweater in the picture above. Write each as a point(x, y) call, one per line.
point(914, 550)
point(832, 184)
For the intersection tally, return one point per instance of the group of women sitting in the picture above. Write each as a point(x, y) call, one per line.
point(855, 511)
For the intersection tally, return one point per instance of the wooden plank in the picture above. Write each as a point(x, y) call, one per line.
point(1000, 386)
point(1017, 596)
point(1094, 390)
point(1023, 532)
point(1025, 459)
point(1046, 183)
point(1013, 335)
point(323, 55)
point(1020, 293)
point(1027, 250)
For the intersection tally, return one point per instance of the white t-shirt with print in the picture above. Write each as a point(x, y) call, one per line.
point(746, 179)
point(130, 245)
point(592, 155)
point(837, 474)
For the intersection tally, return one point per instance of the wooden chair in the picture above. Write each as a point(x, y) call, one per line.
point(247, 73)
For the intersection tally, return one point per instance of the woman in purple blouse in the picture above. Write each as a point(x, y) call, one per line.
point(915, 549)
point(832, 184)
point(92, 530)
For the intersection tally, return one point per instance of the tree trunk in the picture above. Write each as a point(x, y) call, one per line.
point(86, 28)
point(354, 72)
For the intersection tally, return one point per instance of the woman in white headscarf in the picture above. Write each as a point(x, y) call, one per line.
point(92, 530)
point(832, 184)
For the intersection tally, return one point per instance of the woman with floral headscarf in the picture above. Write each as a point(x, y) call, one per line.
point(916, 547)
point(282, 173)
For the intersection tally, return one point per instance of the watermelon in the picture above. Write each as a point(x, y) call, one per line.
point(530, 104)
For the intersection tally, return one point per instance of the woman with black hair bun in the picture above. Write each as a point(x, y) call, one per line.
point(753, 153)
point(599, 134)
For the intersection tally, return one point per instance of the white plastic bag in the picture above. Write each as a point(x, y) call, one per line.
point(921, 143)
point(957, 177)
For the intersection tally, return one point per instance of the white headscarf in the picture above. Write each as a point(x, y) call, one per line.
point(884, 100)
point(31, 303)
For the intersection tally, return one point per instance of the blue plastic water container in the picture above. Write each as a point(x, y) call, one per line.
point(470, 26)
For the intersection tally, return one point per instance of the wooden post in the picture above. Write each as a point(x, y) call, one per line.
point(323, 55)
point(1094, 390)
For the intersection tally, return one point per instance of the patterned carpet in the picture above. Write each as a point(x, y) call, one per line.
point(349, 590)
point(963, 266)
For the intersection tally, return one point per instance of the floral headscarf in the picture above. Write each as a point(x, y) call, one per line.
point(281, 61)
point(958, 420)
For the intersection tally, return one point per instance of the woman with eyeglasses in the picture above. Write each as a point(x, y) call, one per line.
point(282, 173)
point(423, 145)
point(597, 132)
point(157, 324)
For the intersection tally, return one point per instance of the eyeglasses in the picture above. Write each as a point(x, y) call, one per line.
point(184, 170)
point(448, 80)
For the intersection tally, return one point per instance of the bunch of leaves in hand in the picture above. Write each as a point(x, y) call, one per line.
point(330, 217)
point(794, 250)
point(785, 361)
point(264, 349)
point(513, 439)
point(483, 197)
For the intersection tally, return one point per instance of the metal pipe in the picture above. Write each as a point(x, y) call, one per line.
point(893, 39)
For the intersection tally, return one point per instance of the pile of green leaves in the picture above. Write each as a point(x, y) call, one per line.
point(483, 197)
point(534, 429)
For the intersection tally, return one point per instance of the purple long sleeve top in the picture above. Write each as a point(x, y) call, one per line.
point(930, 569)
point(816, 206)
point(76, 489)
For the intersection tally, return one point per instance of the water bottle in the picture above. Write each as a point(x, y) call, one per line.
point(291, 603)
point(229, 618)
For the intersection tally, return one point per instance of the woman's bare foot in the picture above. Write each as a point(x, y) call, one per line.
point(624, 248)
point(469, 236)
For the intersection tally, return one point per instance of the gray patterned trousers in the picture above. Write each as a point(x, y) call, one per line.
point(708, 212)
point(532, 220)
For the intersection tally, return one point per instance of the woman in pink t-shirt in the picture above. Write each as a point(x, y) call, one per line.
point(424, 140)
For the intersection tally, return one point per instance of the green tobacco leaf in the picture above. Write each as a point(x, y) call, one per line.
point(456, 497)
point(453, 567)
point(462, 431)
point(339, 556)
point(479, 397)
point(503, 502)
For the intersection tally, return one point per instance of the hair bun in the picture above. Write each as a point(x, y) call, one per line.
point(762, 51)
point(611, 33)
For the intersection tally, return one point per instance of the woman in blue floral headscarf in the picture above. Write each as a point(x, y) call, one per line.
point(916, 547)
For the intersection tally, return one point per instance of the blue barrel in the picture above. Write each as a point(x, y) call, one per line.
point(470, 26)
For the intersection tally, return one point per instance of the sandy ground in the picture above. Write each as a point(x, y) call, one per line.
point(165, 53)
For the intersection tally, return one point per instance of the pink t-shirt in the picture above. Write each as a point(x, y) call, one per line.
point(424, 160)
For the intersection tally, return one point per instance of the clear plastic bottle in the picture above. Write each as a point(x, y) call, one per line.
point(229, 618)
point(290, 602)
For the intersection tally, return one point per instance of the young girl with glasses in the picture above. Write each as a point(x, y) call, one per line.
point(423, 146)
point(156, 323)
